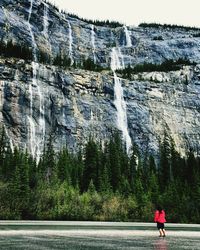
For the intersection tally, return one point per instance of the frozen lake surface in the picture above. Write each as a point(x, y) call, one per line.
point(48, 235)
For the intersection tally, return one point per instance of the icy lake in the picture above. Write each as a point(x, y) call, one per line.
point(46, 235)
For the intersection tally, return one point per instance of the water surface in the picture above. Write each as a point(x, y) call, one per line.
point(47, 235)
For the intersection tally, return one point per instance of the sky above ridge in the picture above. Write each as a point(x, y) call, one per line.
point(133, 12)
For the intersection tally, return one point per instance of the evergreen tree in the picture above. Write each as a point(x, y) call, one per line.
point(165, 162)
point(19, 185)
point(51, 190)
point(4, 152)
point(33, 175)
point(91, 164)
point(191, 168)
point(104, 171)
point(63, 165)
point(152, 185)
point(77, 170)
point(47, 164)
point(134, 159)
point(115, 161)
point(176, 163)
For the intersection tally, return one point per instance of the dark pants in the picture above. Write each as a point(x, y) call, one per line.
point(160, 225)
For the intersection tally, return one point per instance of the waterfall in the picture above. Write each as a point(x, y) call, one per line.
point(91, 115)
point(10, 139)
point(70, 43)
point(46, 21)
point(32, 137)
point(42, 127)
point(2, 84)
point(30, 11)
point(120, 104)
point(34, 46)
point(93, 43)
point(63, 110)
point(36, 145)
point(128, 37)
point(46, 25)
point(117, 59)
point(121, 58)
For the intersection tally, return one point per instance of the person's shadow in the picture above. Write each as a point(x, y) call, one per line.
point(160, 244)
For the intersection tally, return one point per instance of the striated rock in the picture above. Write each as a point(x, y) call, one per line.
point(79, 103)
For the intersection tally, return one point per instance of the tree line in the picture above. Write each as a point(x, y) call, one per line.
point(105, 23)
point(166, 66)
point(169, 26)
point(99, 183)
point(13, 50)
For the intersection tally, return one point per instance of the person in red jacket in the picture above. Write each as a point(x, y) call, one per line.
point(159, 218)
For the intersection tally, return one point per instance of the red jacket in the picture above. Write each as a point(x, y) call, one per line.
point(159, 217)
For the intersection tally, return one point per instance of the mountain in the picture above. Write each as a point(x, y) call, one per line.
point(59, 74)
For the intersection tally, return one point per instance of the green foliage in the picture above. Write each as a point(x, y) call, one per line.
point(158, 38)
point(89, 64)
point(91, 165)
point(100, 184)
point(196, 35)
point(165, 170)
point(64, 166)
point(62, 60)
point(43, 57)
point(53, 5)
point(65, 62)
point(10, 49)
point(21, 51)
point(107, 23)
point(168, 26)
point(46, 167)
point(111, 24)
point(166, 66)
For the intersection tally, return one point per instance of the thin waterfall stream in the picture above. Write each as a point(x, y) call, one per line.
point(93, 43)
point(70, 43)
point(36, 145)
point(117, 62)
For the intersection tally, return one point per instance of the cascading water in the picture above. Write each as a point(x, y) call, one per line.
point(63, 110)
point(128, 37)
point(36, 145)
point(32, 138)
point(46, 25)
point(70, 43)
point(120, 104)
point(93, 43)
point(10, 139)
point(45, 21)
point(121, 58)
point(91, 115)
point(42, 127)
point(34, 46)
point(2, 84)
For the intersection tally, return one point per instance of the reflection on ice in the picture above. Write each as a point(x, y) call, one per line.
point(160, 244)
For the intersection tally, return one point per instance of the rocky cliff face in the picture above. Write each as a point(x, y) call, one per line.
point(38, 99)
